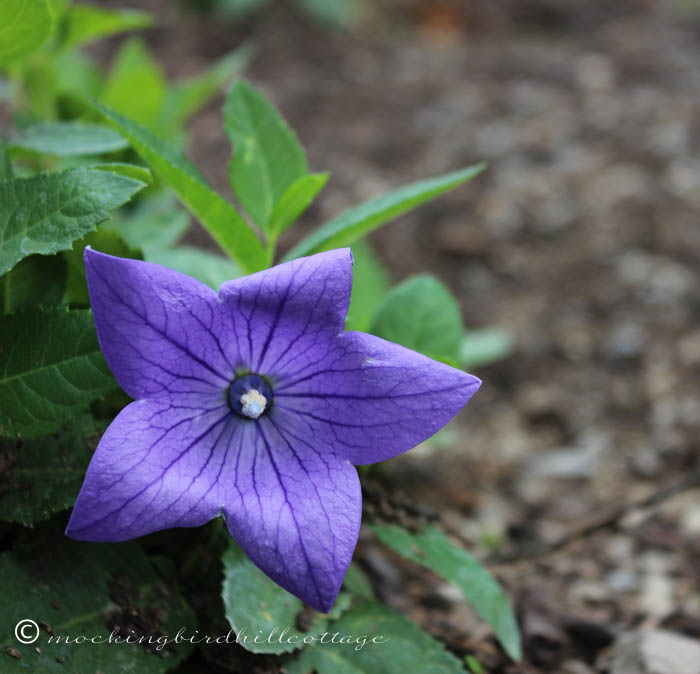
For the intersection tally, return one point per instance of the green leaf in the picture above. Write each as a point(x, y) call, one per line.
point(370, 283)
point(474, 665)
point(46, 213)
point(357, 583)
point(51, 368)
point(85, 591)
point(43, 475)
point(69, 139)
point(421, 314)
point(36, 280)
point(85, 23)
point(55, 84)
point(5, 165)
point(104, 240)
point(207, 267)
point(334, 13)
point(24, 26)
point(155, 224)
point(295, 200)
point(431, 548)
point(267, 157)
point(189, 95)
point(136, 86)
point(400, 646)
point(256, 605)
point(481, 347)
point(74, 75)
point(128, 170)
point(216, 214)
point(239, 8)
point(357, 221)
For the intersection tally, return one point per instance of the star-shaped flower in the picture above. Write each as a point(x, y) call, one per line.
point(252, 404)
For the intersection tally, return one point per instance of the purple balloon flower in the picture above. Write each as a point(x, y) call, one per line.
point(252, 404)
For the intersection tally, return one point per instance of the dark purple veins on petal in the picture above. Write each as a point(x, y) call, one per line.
point(253, 404)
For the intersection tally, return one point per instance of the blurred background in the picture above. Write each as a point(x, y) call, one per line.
point(582, 240)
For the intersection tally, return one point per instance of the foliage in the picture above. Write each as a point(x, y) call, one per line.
point(331, 13)
point(266, 606)
point(86, 590)
point(403, 647)
point(93, 164)
point(433, 549)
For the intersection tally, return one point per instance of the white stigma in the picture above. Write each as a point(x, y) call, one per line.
point(253, 403)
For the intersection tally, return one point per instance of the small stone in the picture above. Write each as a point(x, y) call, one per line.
point(580, 461)
point(689, 349)
point(690, 521)
point(646, 461)
point(575, 667)
point(655, 652)
point(620, 548)
point(622, 580)
point(594, 72)
point(657, 595)
point(625, 342)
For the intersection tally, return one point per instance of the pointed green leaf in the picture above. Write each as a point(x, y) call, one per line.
point(357, 221)
point(136, 86)
point(295, 200)
point(46, 213)
point(421, 314)
point(84, 591)
point(24, 26)
point(129, 170)
point(370, 283)
point(85, 23)
point(267, 157)
point(216, 214)
point(207, 267)
point(399, 646)
point(69, 139)
point(256, 605)
point(51, 368)
point(432, 548)
point(481, 347)
point(43, 475)
point(187, 96)
point(38, 280)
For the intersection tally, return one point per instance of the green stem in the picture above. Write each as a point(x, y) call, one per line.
point(271, 248)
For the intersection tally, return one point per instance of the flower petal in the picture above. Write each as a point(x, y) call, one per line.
point(372, 399)
point(295, 510)
point(158, 465)
point(158, 329)
point(282, 312)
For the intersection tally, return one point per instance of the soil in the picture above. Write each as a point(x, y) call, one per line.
point(582, 238)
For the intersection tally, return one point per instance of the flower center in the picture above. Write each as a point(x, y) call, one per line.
point(250, 396)
point(253, 403)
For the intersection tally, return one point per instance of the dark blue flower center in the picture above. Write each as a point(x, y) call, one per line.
point(250, 396)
